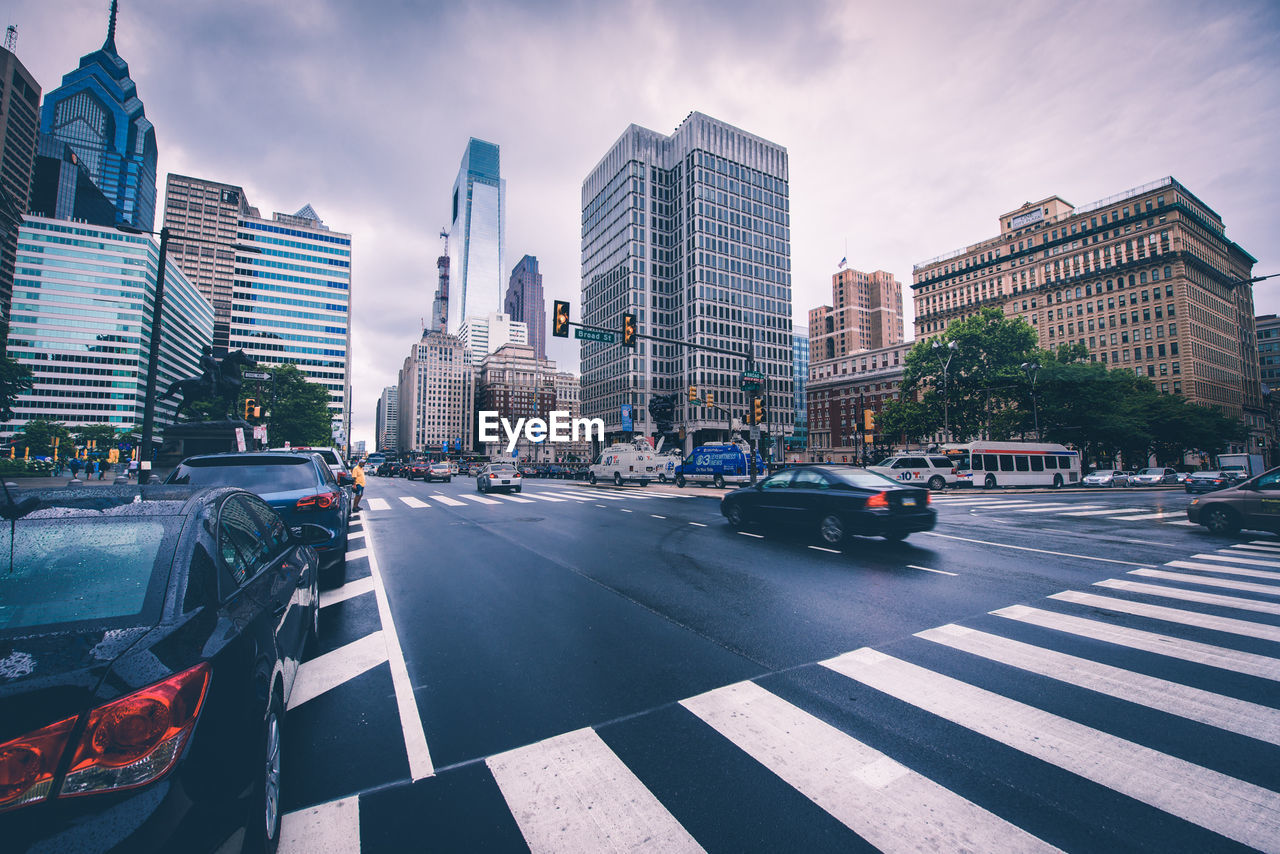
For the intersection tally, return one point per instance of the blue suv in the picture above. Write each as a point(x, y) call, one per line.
point(299, 486)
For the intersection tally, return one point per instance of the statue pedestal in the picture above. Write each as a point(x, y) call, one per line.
point(192, 438)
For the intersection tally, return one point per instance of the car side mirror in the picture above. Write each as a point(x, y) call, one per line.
point(310, 534)
point(345, 479)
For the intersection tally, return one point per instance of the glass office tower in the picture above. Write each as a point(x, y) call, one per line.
point(476, 236)
point(97, 112)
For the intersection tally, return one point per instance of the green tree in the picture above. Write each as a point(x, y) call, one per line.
point(298, 408)
point(15, 378)
point(38, 435)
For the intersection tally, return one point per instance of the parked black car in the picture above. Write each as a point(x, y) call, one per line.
point(152, 635)
point(1208, 481)
point(301, 487)
point(834, 502)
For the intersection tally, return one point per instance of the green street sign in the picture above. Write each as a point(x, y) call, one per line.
point(595, 335)
point(751, 381)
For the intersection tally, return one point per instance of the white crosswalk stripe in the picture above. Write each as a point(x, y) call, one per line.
point(378, 504)
point(480, 499)
point(513, 498)
point(1247, 561)
point(1206, 580)
point(1172, 615)
point(1234, 808)
point(415, 503)
point(884, 802)
point(541, 496)
point(447, 501)
point(1224, 568)
point(1237, 602)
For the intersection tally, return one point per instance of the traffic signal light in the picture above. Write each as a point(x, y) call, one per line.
point(693, 394)
point(560, 319)
point(711, 401)
point(628, 330)
point(250, 410)
point(869, 420)
point(758, 410)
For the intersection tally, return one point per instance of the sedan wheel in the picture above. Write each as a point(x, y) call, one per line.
point(262, 833)
point(1220, 521)
point(831, 529)
point(734, 514)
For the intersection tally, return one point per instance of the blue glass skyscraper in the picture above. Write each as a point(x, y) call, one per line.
point(97, 112)
point(476, 235)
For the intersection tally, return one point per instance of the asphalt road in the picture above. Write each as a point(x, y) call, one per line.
point(577, 668)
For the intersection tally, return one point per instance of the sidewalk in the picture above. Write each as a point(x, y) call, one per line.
point(59, 482)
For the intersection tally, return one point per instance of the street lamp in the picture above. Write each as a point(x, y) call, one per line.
point(950, 350)
point(157, 315)
point(1032, 370)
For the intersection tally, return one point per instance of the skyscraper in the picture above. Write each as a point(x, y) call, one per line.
point(691, 233)
point(484, 335)
point(525, 302)
point(387, 420)
point(97, 112)
point(799, 441)
point(865, 314)
point(476, 235)
point(209, 211)
point(435, 396)
point(291, 298)
point(86, 337)
point(19, 106)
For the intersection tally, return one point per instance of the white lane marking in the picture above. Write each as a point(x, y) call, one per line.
point(541, 497)
point(656, 516)
point(515, 498)
point(698, 524)
point(415, 738)
point(1029, 549)
point(354, 535)
point(1143, 516)
point(1054, 508)
point(1110, 511)
point(891, 806)
point(1183, 522)
point(1247, 561)
point(1027, 506)
point(1236, 602)
point(328, 828)
point(447, 501)
point(354, 554)
point(749, 534)
point(829, 551)
point(1229, 625)
point(1240, 716)
point(330, 670)
point(480, 499)
point(1262, 666)
point(927, 569)
point(352, 588)
point(572, 793)
point(602, 506)
point(1224, 569)
point(415, 503)
point(624, 510)
point(1208, 581)
point(1233, 808)
point(378, 504)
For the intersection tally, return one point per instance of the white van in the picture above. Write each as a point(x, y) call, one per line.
point(626, 463)
point(936, 471)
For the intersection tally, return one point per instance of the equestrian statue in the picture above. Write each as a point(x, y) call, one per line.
point(219, 382)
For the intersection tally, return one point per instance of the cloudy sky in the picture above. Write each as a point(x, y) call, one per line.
point(911, 126)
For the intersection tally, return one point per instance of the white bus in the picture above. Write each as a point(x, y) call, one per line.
point(1022, 464)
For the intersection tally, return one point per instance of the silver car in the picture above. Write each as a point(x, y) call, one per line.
point(499, 476)
point(1152, 477)
point(1106, 477)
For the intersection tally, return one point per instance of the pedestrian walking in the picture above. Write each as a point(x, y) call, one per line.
point(357, 474)
point(133, 469)
point(90, 468)
point(74, 466)
point(102, 468)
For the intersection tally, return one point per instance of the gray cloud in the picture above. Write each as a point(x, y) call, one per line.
point(910, 127)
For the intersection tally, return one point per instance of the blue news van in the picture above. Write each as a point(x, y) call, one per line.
point(718, 463)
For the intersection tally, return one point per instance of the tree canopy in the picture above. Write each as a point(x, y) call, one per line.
point(1098, 410)
point(295, 409)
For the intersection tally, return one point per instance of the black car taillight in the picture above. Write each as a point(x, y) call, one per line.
point(128, 742)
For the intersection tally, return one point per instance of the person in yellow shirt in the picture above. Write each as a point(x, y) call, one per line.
point(357, 474)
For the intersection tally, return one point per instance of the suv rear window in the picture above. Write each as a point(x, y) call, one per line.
point(281, 474)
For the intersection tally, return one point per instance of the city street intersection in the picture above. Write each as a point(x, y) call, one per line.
point(583, 668)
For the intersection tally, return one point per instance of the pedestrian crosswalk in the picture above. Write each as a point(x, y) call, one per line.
point(1011, 698)
point(1069, 509)
point(553, 495)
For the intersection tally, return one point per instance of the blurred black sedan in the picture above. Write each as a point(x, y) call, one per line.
point(150, 637)
point(1208, 481)
point(833, 502)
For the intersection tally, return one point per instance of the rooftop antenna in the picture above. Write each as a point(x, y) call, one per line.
point(11, 38)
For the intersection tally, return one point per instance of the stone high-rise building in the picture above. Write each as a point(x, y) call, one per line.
point(516, 384)
point(387, 420)
point(525, 302)
point(435, 396)
point(209, 211)
point(865, 314)
point(1146, 279)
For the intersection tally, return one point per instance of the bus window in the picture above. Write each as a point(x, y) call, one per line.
point(1037, 463)
point(1051, 462)
point(1006, 462)
point(1022, 463)
point(977, 462)
point(989, 462)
